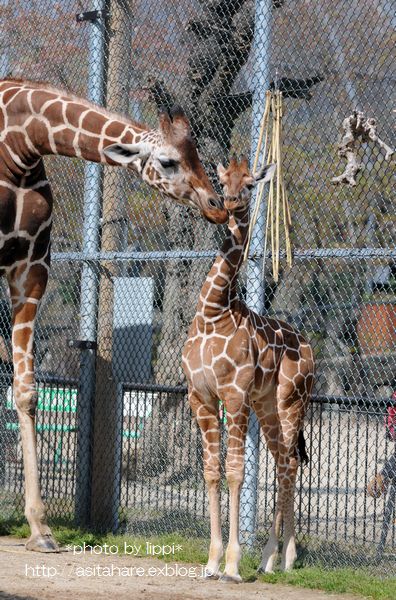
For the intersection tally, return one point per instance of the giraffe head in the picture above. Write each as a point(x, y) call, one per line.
point(238, 182)
point(169, 162)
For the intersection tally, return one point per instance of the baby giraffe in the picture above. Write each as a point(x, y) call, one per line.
point(247, 361)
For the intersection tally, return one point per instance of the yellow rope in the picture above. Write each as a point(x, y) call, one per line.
point(277, 202)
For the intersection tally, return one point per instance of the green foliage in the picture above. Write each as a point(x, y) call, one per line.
point(69, 292)
point(16, 526)
point(195, 550)
point(340, 581)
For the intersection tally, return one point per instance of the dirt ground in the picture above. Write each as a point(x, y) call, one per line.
point(30, 576)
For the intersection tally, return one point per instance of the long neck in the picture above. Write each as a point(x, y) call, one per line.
point(219, 290)
point(40, 120)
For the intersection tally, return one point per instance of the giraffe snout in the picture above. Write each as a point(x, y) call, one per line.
point(231, 203)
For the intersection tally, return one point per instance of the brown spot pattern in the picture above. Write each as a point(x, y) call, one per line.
point(246, 360)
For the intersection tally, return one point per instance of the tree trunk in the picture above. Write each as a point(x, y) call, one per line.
point(220, 43)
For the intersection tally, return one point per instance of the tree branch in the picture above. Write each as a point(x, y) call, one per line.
point(357, 126)
point(159, 94)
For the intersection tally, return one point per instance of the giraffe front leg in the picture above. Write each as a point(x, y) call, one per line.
point(26, 292)
point(216, 543)
point(237, 422)
point(208, 421)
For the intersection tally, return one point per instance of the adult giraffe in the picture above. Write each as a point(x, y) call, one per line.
point(248, 361)
point(36, 120)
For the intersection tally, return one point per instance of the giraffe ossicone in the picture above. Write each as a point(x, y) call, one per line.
point(248, 361)
point(37, 119)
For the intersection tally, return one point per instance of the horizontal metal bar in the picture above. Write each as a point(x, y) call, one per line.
point(345, 253)
point(379, 403)
point(154, 387)
point(43, 378)
point(6, 379)
point(368, 402)
point(318, 399)
point(137, 256)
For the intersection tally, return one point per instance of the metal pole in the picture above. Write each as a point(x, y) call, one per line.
point(107, 430)
point(89, 279)
point(255, 284)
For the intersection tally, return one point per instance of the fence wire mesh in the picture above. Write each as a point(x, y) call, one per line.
point(329, 59)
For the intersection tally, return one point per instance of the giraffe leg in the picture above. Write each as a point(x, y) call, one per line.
point(284, 512)
point(287, 484)
point(237, 421)
point(281, 420)
point(267, 414)
point(293, 396)
point(291, 423)
point(27, 288)
point(270, 550)
point(208, 421)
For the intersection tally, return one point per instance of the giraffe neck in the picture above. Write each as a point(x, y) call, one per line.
point(219, 290)
point(37, 120)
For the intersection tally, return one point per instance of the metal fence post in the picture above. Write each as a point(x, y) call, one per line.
point(107, 430)
point(255, 283)
point(89, 278)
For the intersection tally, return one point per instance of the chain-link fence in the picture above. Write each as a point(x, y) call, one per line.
point(116, 444)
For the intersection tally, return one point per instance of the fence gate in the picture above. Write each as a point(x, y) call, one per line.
point(117, 446)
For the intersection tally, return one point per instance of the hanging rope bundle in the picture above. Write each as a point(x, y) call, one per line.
point(269, 147)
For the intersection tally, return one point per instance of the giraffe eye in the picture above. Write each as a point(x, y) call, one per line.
point(168, 163)
point(249, 186)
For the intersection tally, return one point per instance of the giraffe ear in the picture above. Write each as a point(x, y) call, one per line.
point(180, 123)
point(123, 154)
point(265, 173)
point(165, 123)
point(220, 170)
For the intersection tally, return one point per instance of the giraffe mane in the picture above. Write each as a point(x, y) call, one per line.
point(49, 87)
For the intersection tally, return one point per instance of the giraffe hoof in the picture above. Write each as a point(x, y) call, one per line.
point(211, 575)
point(230, 578)
point(263, 571)
point(42, 543)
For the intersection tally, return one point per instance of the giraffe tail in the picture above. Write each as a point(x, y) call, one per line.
point(301, 447)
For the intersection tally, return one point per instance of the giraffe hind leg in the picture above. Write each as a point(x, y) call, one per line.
point(271, 549)
point(287, 464)
point(292, 411)
point(267, 415)
point(291, 422)
point(285, 442)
